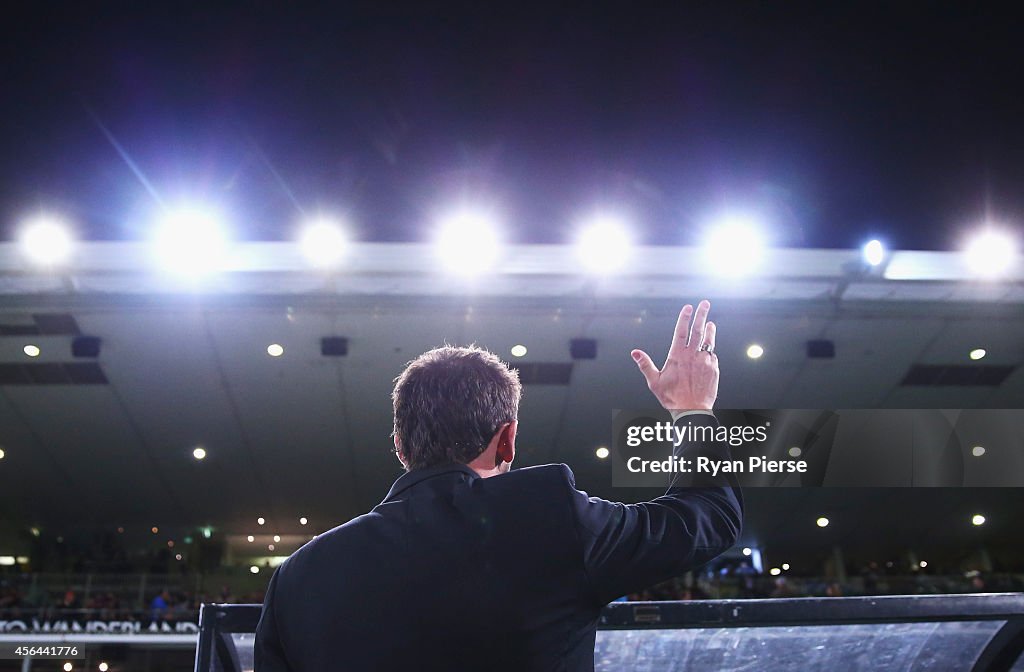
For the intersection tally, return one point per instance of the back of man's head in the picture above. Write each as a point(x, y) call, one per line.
point(449, 402)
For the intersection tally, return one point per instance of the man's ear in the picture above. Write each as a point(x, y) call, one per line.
point(399, 454)
point(505, 451)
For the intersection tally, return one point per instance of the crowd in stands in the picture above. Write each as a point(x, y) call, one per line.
point(21, 599)
point(744, 582)
point(51, 597)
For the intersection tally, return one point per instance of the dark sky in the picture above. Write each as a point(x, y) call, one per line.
point(835, 120)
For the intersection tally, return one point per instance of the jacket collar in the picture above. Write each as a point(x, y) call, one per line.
point(411, 478)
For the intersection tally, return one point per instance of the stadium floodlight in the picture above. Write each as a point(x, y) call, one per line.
point(604, 244)
point(873, 252)
point(46, 240)
point(324, 242)
point(468, 242)
point(191, 242)
point(991, 253)
point(735, 245)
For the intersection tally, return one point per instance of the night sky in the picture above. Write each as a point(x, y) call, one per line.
point(831, 120)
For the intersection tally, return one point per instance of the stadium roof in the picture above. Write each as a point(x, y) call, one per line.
point(109, 440)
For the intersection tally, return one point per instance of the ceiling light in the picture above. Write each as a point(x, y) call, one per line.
point(991, 253)
point(275, 350)
point(468, 242)
point(977, 353)
point(46, 241)
point(602, 452)
point(978, 451)
point(822, 522)
point(518, 351)
point(31, 350)
point(604, 244)
point(755, 351)
point(735, 246)
point(873, 252)
point(977, 519)
point(191, 242)
point(199, 453)
point(747, 551)
point(324, 243)
point(303, 520)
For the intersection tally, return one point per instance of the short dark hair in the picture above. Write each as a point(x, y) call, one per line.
point(449, 402)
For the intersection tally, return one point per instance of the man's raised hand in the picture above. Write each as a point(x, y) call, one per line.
point(689, 378)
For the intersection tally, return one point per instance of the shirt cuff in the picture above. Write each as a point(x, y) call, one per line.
point(682, 414)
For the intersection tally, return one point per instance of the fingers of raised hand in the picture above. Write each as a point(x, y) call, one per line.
point(699, 324)
point(681, 334)
point(709, 337)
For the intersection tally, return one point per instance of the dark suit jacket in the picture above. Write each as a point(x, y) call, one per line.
point(456, 572)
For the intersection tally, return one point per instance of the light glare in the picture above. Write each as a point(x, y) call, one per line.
point(874, 253)
point(324, 243)
point(46, 241)
point(191, 242)
point(735, 246)
point(604, 245)
point(468, 243)
point(991, 253)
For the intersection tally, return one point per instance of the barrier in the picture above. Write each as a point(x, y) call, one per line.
point(980, 633)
